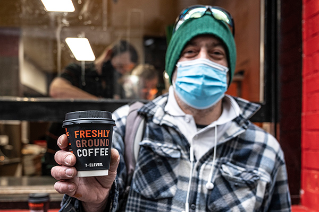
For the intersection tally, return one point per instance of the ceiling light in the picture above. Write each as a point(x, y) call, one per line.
point(58, 5)
point(81, 49)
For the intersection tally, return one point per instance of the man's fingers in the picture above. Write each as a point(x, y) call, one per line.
point(65, 158)
point(65, 187)
point(63, 142)
point(62, 172)
point(107, 181)
point(115, 159)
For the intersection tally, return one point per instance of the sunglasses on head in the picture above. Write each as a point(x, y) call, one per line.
point(198, 11)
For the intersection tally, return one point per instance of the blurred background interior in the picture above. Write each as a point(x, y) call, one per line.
point(33, 51)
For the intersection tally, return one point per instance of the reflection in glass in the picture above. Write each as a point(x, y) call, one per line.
point(35, 60)
point(58, 5)
point(142, 83)
point(99, 79)
point(81, 49)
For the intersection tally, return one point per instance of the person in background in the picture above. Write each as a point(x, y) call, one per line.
point(101, 80)
point(101, 77)
point(142, 83)
point(199, 151)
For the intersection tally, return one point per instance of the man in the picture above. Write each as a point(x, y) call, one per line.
point(100, 78)
point(199, 152)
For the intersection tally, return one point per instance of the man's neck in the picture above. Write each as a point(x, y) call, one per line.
point(202, 117)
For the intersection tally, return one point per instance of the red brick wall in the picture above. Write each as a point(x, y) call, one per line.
point(310, 105)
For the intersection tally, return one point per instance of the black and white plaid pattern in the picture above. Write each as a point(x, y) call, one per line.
point(249, 171)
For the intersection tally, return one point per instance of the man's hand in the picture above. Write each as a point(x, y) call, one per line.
point(92, 191)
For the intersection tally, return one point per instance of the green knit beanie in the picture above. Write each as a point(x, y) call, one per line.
point(199, 26)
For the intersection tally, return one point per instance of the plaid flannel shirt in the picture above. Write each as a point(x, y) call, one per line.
point(249, 173)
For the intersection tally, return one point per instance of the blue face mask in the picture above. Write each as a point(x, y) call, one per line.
point(200, 83)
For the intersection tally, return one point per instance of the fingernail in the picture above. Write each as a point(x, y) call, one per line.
point(67, 160)
point(71, 187)
point(69, 172)
point(59, 141)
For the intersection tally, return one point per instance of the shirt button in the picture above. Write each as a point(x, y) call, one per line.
point(193, 206)
point(187, 119)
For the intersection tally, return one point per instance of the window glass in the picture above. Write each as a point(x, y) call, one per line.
point(128, 41)
point(34, 49)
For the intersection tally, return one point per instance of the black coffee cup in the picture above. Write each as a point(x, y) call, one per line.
point(39, 202)
point(90, 139)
